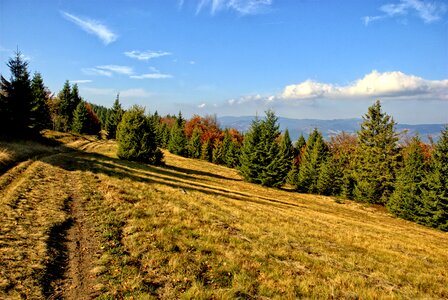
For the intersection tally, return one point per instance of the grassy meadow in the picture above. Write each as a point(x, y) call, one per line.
point(195, 230)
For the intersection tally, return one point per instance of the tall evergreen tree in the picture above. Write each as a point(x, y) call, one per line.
point(435, 196)
point(207, 151)
point(114, 118)
point(284, 159)
point(16, 98)
point(315, 154)
point(65, 107)
point(178, 141)
point(261, 160)
point(81, 119)
point(250, 158)
point(195, 144)
point(136, 138)
point(406, 200)
point(40, 112)
point(377, 157)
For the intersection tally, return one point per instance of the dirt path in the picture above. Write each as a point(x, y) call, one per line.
point(47, 246)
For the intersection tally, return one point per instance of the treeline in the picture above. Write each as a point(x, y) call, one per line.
point(410, 178)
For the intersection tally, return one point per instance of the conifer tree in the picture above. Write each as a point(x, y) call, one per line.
point(16, 98)
point(377, 157)
point(261, 160)
point(136, 138)
point(284, 160)
point(207, 151)
point(195, 144)
point(218, 154)
point(81, 119)
point(330, 177)
point(315, 154)
point(114, 118)
point(250, 163)
point(178, 141)
point(65, 108)
point(406, 200)
point(40, 113)
point(435, 196)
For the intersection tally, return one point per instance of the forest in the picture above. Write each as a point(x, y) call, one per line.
point(375, 166)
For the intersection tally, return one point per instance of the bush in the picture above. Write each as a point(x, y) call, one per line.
point(136, 138)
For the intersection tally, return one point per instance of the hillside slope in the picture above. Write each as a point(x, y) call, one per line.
point(81, 223)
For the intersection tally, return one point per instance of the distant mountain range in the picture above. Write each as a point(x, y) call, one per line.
point(329, 128)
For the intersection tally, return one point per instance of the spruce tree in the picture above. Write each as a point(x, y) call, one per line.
point(284, 159)
point(81, 119)
point(65, 108)
point(207, 151)
point(40, 112)
point(330, 177)
point(406, 200)
point(250, 158)
point(16, 98)
point(262, 160)
point(114, 118)
point(435, 195)
point(178, 141)
point(136, 138)
point(377, 157)
point(315, 154)
point(298, 149)
point(195, 144)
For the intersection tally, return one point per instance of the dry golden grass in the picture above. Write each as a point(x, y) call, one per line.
point(194, 230)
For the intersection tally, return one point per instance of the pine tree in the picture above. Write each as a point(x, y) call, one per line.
point(262, 159)
point(207, 151)
point(81, 119)
point(65, 108)
point(406, 200)
point(330, 177)
point(195, 144)
point(40, 113)
point(178, 141)
point(435, 196)
point(16, 98)
point(284, 159)
point(136, 138)
point(218, 154)
point(250, 163)
point(114, 118)
point(315, 154)
point(377, 157)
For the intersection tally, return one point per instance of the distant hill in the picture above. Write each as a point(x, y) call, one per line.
point(329, 127)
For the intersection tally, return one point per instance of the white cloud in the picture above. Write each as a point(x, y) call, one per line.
point(123, 70)
point(202, 105)
point(81, 81)
point(375, 84)
point(146, 55)
point(151, 76)
point(427, 11)
point(243, 7)
point(95, 71)
point(93, 27)
point(109, 70)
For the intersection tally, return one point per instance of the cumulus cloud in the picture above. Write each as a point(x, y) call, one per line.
point(202, 105)
point(243, 7)
point(93, 27)
point(375, 84)
point(146, 55)
point(427, 11)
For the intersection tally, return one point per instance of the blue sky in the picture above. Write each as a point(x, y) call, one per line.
point(302, 58)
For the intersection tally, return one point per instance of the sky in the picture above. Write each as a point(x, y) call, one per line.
point(314, 59)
